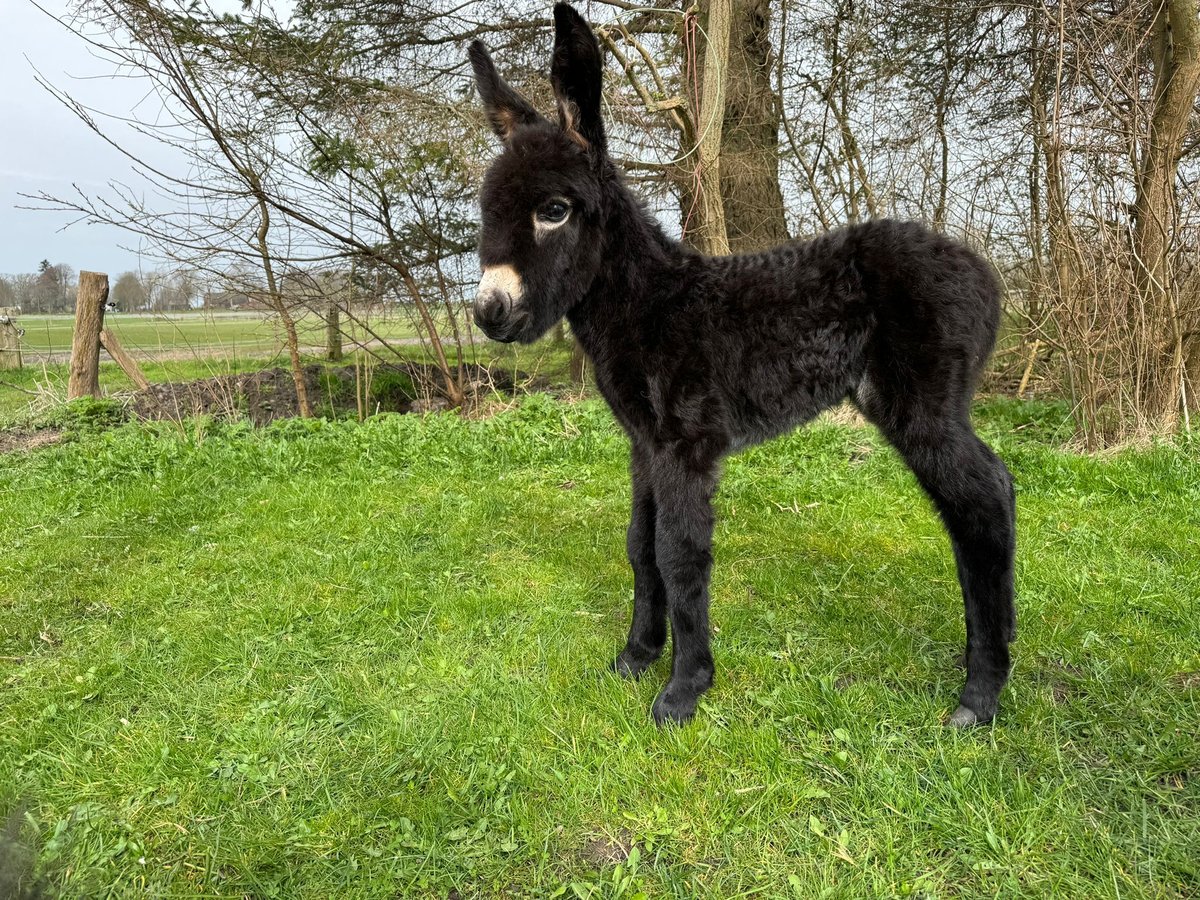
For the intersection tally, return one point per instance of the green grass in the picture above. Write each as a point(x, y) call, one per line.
point(230, 333)
point(340, 660)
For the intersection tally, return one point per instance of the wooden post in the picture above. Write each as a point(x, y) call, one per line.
point(84, 380)
point(333, 330)
point(10, 339)
point(128, 364)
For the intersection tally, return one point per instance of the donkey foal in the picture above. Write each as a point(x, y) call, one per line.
point(700, 357)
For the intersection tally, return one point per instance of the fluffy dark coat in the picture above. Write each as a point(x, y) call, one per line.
point(700, 357)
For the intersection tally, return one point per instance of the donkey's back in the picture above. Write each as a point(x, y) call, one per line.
point(881, 306)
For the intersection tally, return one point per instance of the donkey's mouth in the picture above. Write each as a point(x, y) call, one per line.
point(506, 332)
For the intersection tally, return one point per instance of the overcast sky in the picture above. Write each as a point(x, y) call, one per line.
point(44, 147)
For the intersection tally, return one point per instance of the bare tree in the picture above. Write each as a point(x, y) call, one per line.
point(276, 177)
point(128, 292)
point(1175, 57)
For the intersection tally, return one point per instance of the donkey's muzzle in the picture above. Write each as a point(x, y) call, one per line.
point(498, 307)
point(494, 314)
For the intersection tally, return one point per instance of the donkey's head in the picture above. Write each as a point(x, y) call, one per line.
point(541, 241)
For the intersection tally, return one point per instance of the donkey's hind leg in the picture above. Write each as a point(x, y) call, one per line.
point(972, 490)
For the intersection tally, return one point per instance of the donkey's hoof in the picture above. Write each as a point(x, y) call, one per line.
point(673, 709)
point(630, 664)
point(965, 718)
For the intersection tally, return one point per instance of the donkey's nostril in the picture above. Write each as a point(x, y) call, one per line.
point(491, 308)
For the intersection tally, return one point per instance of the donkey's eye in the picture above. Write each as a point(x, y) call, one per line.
point(553, 211)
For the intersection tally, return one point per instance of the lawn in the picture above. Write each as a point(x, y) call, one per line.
point(369, 660)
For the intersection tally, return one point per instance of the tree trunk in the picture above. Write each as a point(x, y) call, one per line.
point(1175, 51)
point(941, 103)
point(711, 232)
point(1037, 108)
point(293, 345)
point(84, 380)
point(276, 302)
point(754, 217)
point(454, 388)
point(838, 98)
point(739, 152)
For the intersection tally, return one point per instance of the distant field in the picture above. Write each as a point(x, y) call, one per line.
point(27, 394)
point(225, 333)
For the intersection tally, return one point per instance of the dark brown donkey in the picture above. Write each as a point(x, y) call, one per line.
point(700, 357)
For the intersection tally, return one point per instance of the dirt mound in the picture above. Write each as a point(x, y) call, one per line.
point(270, 394)
point(19, 441)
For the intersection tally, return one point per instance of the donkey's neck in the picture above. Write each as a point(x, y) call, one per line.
point(641, 267)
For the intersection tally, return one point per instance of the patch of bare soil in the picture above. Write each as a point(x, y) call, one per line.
point(270, 394)
point(604, 851)
point(1186, 680)
point(1066, 681)
point(18, 441)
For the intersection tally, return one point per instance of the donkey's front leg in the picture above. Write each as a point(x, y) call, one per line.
point(683, 545)
point(648, 631)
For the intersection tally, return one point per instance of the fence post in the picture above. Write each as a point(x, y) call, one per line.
point(128, 364)
point(10, 339)
point(84, 380)
point(333, 330)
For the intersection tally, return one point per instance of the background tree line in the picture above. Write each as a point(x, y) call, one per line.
point(52, 290)
point(1060, 137)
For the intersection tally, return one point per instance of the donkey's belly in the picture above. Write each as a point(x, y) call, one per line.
point(756, 430)
point(780, 394)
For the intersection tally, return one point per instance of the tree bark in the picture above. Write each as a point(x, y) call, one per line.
point(838, 97)
point(454, 389)
point(712, 234)
point(1037, 109)
point(739, 152)
point(941, 104)
point(276, 301)
point(84, 379)
point(753, 202)
point(1175, 51)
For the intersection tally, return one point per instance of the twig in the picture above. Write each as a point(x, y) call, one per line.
point(1029, 367)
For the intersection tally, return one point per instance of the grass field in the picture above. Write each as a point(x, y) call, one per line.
point(341, 660)
point(227, 333)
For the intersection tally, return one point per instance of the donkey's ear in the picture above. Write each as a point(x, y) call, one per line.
point(575, 74)
point(505, 108)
